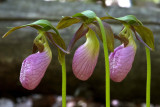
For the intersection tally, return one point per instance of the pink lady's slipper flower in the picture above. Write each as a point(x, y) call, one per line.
point(121, 61)
point(85, 57)
point(34, 67)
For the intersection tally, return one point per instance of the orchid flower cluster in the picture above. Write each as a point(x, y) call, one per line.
point(117, 64)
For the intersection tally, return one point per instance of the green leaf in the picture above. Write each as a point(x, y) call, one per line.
point(87, 16)
point(39, 25)
point(88, 13)
point(109, 34)
point(11, 30)
point(43, 23)
point(78, 15)
point(67, 21)
point(146, 34)
point(129, 19)
point(59, 43)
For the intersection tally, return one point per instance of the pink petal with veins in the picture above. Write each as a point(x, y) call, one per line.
point(85, 57)
point(33, 69)
point(84, 62)
point(121, 62)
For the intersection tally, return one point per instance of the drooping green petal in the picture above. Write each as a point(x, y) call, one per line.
point(15, 28)
point(43, 23)
point(67, 21)
point(128, 19)
point(139, 38)
point(109, 34)
point(88, 13)
point(80, 32)
point(87, 16)
point(39, 25)
point(146, 34)
point(59, 43)
point(85, 57)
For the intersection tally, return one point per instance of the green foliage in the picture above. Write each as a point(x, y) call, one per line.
point(39, 25)
point(59, 43)
point(44, 26)
point(146, 34)
point(87, 16)
point(129, 19)
point(66, 22)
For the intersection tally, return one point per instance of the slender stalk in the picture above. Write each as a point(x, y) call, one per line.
point(106, 62)
point(148, 84)
point(63, 83)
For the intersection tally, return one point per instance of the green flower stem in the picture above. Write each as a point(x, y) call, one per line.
point(148, 84)
point(106, 62)
point(63, 83)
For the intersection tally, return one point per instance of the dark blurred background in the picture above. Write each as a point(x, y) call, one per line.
point(91, 93)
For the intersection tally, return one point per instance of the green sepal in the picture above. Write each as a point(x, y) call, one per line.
point(87, 16)
point(18, 27)
point(67, 21)
point(39, 25)
point(146, 35)
point(59, 43)
point(109, 33)
point(43, 23)
point(129, 19)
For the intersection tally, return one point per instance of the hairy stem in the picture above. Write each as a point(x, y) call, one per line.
point(148, 84)
point(63, 83)
point(106, 62)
